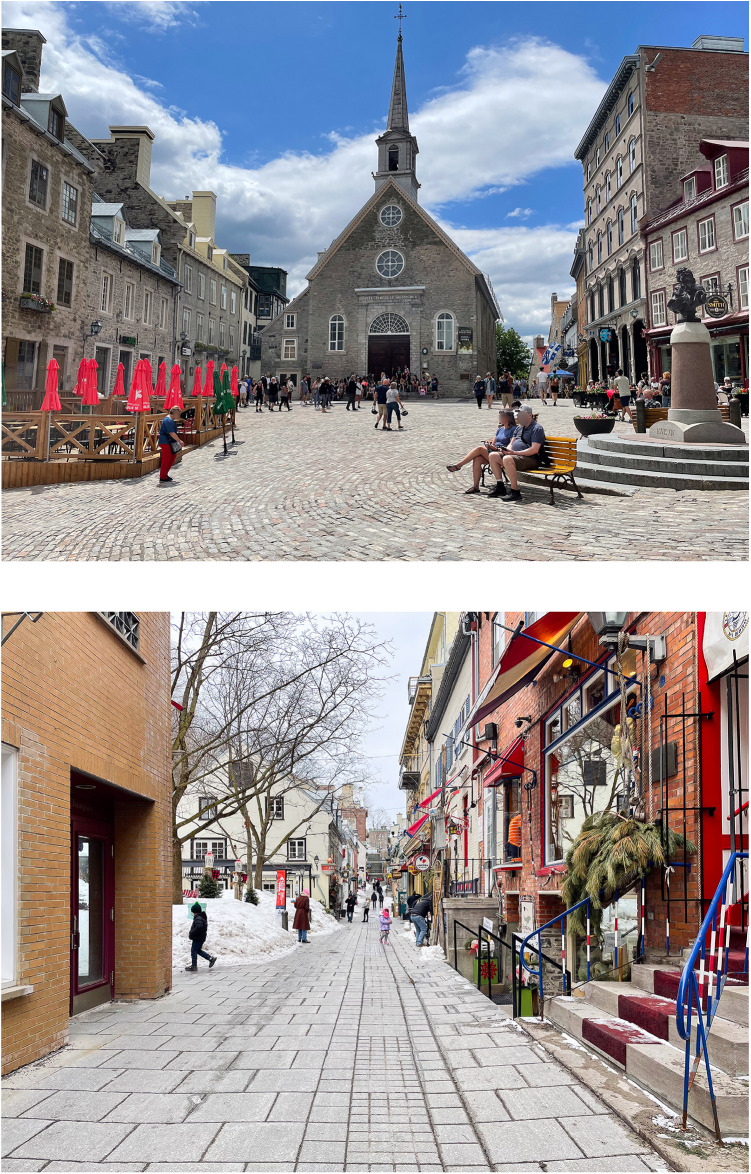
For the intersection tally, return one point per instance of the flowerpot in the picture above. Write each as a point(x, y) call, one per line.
point(483, 966)
point(594, 427)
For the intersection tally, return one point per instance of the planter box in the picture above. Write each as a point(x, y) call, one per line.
point(482, 966)
point(25, 304)
point(594, 427)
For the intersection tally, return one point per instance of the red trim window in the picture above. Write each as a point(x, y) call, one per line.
point(656, 258)
point(706, 236)
point(680, 245)
point(741, 274)
point(739, 212)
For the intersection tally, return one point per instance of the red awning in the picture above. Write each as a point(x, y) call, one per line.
point(523, 658)
point(427, 802)
point(411, 831)
point(510, 769)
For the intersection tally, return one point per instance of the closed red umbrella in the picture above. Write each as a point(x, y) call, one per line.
point(174, 395)
point(90, 394)
point(138, 400)
point(233, 382)
point(119, 388)
point(80, 379)
point(134, 386)
point(197, 382)
point(51, 401)
point(148, 378)
point(161, 380)
point(222, 369)
point(208, 387)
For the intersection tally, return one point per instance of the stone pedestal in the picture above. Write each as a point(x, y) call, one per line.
point(694, 417)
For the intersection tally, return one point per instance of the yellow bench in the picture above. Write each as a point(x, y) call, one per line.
point(561, 451)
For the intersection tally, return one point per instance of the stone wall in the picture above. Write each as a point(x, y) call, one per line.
point(77, 697)
point(28, 44)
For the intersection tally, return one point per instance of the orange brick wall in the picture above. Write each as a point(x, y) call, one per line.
point(75, 696)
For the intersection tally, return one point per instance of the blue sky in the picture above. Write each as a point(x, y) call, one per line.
point(275, 106)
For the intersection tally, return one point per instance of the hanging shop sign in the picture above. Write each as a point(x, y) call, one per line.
point(606, 334)
point(327, 868)
point(526, 916)
point(716, 305)
point(464, 339)
point(421, 863)
point(281, 888)
point(411, 868)
point(725, 640)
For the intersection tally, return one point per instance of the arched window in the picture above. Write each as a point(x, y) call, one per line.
point(390, 263)
point(598, 196)
point(336, 332)
point(634, 215)
point(591, 257)
point(607, 187)
point(618, 172)
point(444, 332)
point(635, 280)
point(393, 158)
point(632, 155)
point(610, 236)
point(599, 248)
point(389, 324)
point(589, 211)
point(620, 226)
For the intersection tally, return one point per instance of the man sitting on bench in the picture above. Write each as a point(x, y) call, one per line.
point(479, 456)
point(523, 452)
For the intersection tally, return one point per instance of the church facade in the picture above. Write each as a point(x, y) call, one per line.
point(393, 290)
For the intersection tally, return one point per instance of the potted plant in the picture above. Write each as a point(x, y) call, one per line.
point(594, 424)
point(32, 301)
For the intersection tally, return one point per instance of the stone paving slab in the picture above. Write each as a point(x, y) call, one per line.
point(422, 1074)
point(266, 503)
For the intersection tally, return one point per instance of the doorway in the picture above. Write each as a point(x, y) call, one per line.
point(92, 914)
point(387, 352)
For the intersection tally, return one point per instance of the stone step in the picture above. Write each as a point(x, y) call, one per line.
point(656, 463)
point(643, 446)
point(734, 1000)
point(653, 1063)
point(624, 475)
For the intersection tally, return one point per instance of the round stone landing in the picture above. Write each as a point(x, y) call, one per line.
point(646, 460)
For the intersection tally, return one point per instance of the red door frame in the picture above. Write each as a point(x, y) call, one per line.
point(101, 830)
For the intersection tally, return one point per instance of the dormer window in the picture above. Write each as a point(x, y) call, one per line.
point(56, 123)
point(209, 253)
point(118, 227)
point(12, 84)
point(192, 240)
point(224, 262)
point(156, 253)
point(721, 172)
point(689, 188)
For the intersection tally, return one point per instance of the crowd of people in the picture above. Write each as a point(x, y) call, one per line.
point(271, 393)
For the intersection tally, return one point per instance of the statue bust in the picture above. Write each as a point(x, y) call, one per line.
point(687, 296)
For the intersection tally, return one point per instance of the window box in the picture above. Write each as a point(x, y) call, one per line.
point(36, 302)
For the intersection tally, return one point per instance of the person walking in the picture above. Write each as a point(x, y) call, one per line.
point(420, 910)
point(273, 393)
point(374, 897)
point(285, 392)
point(507, 390)
point(351, 902)
point(198, 933)
point(380, 897)
point(489, 389)
point(394, 406)
point(325, 395)
point(384, 922)
point(381, 394)
point(362, 390)
point(169, 445)
point(302, 916)
point(366, 908)
point(351, 393)
point(479, 391)
point(259, 395)
point(555, 387)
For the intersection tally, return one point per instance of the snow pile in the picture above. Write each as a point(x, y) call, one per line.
point(240, 933)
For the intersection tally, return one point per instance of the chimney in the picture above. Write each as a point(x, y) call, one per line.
point(244, 259)
point(204, 213)
point(27, 43)
point(347, 793)
point(145, 138)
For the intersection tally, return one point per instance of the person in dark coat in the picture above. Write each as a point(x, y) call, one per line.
point(302, 916)
point(197, 934)
point(411, 900)
point(420, 911)
point(374, 896)
point(379, 890)
point(351, 902)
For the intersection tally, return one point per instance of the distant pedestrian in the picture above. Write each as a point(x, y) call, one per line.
point(273, 393)
point(285, 392)
point(381, 398)
point(244, 393)
point(351, 902)
point(324, 394)
point(366, 909)
point(304, 389)
point(384, 922)
point(302, 916)
point(489, 389)
point(169, 445)
point(198, 933)
point(394, 406)
point(555, 387)
point(259, 395)
point(434, 386)
point(374, 897)
point(351, 393)
point(380, 896)
point(479, 391)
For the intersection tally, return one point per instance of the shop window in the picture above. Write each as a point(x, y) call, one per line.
point(25, 365)
point(512, 822)
point(721, 172)
point(9, 857)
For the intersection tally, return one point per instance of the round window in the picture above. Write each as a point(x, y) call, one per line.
point(390, 263)
point(391, 215)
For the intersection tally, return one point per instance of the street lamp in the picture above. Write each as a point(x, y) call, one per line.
point(607, 623)
point(94, 329)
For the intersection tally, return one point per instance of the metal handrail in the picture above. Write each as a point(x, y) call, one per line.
point(536, 933)
point(689, 988)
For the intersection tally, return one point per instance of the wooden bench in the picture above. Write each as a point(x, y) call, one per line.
point(561, 451)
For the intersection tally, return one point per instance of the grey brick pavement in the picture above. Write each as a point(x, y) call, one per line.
point(303, 486)
point(344, 1056)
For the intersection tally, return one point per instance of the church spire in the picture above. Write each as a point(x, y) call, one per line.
point(397, 148)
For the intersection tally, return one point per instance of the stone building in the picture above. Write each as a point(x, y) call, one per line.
point(393, 290)
point(661, 103)
point(47, 193)
point(133, 292)
point(86, 820)
point(579, 306)
point(272, 291)
point(705, 230)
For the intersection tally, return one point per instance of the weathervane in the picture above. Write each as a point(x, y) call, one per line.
point(401, 16)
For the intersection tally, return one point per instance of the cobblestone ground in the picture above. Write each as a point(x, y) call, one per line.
point(343, 1055)
point(331, 487)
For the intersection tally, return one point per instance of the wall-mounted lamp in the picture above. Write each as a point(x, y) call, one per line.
point(95, 328)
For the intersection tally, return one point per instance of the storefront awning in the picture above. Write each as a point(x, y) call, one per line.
point(524, 657)
point(509, 766)
point(415, 827)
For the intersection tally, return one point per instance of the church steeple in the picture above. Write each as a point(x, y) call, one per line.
point(397, 148)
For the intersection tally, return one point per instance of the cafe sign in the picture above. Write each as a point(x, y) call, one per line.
point(422, 863)
point(716, 305)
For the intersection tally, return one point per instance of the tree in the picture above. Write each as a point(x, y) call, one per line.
point(512, 353)
point(208, 887)
point(251, 896)
point(269, 702)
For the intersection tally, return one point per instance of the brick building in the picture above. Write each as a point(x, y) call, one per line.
point(47, 193)
point(86, 820)
point(706, 230)
point(646, 131)
point(393, 290)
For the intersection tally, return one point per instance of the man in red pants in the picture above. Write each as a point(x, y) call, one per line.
point(167, 438)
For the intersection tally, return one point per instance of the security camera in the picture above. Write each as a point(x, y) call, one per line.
point(519, 722)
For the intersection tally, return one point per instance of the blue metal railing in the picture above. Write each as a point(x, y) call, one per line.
point(693, 990)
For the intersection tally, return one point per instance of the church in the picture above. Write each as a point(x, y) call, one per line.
point(393, 290)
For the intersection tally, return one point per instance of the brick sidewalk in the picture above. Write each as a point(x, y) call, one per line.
point(303, 486)
point(343, 1056)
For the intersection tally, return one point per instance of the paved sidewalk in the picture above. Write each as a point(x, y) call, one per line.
point(304, 486)
point(343, 1055)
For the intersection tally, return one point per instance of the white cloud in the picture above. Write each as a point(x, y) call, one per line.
point(519, 214)
point(157, 16)
point(496, 128)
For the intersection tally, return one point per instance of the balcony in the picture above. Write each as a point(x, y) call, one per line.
point(416, 685)
point(409, 773)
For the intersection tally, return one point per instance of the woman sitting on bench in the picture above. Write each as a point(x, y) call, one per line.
point(480, 456)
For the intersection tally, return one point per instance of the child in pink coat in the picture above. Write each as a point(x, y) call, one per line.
point(385, 923)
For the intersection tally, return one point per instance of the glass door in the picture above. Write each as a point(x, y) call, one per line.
point(92, 919)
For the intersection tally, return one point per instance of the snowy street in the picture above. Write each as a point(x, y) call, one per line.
point(339, 1055)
